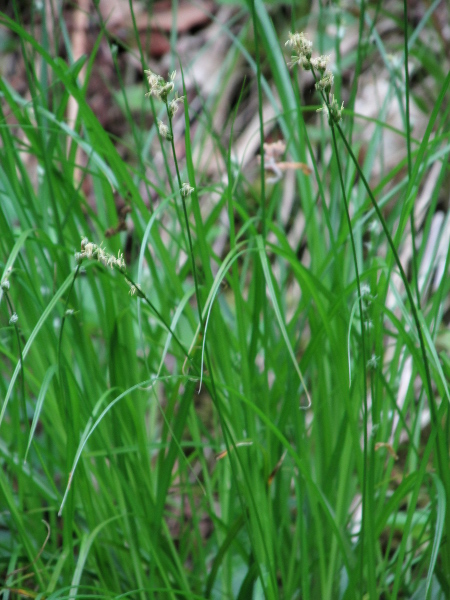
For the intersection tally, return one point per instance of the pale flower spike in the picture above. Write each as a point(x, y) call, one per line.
point(300, 43)
point(373, 362)
point(135, 289)
point(325, 84)
point(159, 87)
point(324, 78)
point(173, 104)
point(155, 82)
point(334, 112)
point(186, 190)
point(320, 63)
point(164, 131)
point(92, 251)
point(365, 290)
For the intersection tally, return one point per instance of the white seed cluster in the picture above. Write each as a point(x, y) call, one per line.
point(160, 89)
point(302, 48)
point(186, 190)
point(373, 362)
point(332, 110)
point(4, 286)
point(173, 104)
point(94, 252)
point(164, 131)
point(135, 289)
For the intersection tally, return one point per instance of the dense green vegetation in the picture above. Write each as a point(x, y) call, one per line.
point(255, 418)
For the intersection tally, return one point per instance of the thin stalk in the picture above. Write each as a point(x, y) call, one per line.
point(194, 268)
point(365, 513)
point(68, 525)
point(213, 390)
point(186, 221)
point(415, 270)
point(22, 371)
point(142, 295)
point(261, 121)
point(21, 484)
point(264, 306)
point(152, 104)
point(370, 561)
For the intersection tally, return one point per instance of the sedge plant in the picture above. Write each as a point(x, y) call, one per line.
point(184, 419)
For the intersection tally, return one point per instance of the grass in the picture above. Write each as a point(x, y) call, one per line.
point(264, 420)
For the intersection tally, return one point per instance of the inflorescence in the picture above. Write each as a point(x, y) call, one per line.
point(302, 56)
point(94, 252)
point(160, 89)
point(4, 286)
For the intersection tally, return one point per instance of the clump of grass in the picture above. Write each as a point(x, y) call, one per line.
point(307, 369)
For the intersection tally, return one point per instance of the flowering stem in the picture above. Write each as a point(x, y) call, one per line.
point(365, 493)
point(22, 370)
point(70, 430)
point(261, 122)
point(144, 297)
point(186, 221)
point(302, 55)
point(263, 306)
point(415, 271)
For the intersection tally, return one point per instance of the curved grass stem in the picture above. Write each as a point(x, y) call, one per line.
point(365, 512)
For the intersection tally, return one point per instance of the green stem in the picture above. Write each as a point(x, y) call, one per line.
point(408, 149)
point(370, 561)
point(261, 122)
point(142, 295)
point(70, 433)
point(186, 222)
point(22, 370)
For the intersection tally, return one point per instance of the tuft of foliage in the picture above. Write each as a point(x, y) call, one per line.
point(193, 405)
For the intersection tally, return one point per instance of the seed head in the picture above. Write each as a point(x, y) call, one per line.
point(186, 190)
point(302, 47)
point(320, 63)
point(300, 44)
point(302, 50)
point(159, 87)
point(164, 131)
point(334, 112)
point(173, 104)
point(373, 361)
point(165, 91)
point(155, 83)
point(326, 83)
point(95, 252)
point(365, 290)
